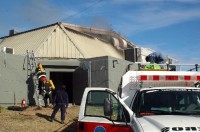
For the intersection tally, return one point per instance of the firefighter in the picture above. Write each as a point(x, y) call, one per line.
point(41, 85)
point(47, 94)
point(157, 57)
point(152, 64)
point(41, 75)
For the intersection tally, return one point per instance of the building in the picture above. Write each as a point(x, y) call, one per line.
point(73, 55)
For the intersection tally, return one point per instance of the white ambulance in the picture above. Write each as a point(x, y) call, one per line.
point(149, 101)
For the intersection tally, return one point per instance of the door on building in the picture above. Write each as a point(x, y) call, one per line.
point(65, 78)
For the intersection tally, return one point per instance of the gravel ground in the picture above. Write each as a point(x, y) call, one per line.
point(34, 119)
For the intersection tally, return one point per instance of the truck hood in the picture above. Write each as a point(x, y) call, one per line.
point(166, 123)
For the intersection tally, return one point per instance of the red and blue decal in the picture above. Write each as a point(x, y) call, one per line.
point(99, 129)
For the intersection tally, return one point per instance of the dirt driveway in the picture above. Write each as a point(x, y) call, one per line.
point(33, 119)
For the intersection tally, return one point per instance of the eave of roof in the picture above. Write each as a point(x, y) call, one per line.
point(97, 31)
point(79, 30)
point(30, 30)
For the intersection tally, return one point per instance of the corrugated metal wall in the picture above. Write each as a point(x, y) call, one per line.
point(92, 47)
point(55, 41)
point(58, 45)
point(27, 41)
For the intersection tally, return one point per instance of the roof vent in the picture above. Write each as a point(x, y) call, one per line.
point(8, 50)
point(12, 32)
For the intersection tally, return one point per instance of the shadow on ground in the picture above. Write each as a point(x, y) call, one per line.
point(43, 116)
point(68, 127)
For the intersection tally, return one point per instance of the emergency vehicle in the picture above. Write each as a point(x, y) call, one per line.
point(149, 101)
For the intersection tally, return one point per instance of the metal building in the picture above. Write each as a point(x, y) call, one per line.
point(72, 55)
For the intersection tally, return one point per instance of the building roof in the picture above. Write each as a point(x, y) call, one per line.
point(109, 36)
point(61, 40)
point(31, 40)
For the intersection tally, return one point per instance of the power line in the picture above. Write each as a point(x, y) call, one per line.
point(83, 10)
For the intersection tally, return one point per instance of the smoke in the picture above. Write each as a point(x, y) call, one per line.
point(101, 24)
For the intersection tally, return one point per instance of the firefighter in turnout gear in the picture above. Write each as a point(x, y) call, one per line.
point(41, 75)
point(152, 65)
point(47, 94)
point(45, 87)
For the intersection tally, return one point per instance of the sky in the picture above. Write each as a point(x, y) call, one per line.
point(168, 26)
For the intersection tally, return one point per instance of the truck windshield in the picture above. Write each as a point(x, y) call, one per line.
point(165, 102)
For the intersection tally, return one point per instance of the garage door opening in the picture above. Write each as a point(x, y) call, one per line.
point(65, 78)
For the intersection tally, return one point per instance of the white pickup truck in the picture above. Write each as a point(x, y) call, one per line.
point(156, 108)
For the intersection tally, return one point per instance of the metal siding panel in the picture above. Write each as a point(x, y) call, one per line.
point(27, 41)
point(55, 44)
point(90, 47)
point(66, 43)
point(63, 47)
point(45, 50)
point(53, 51)
point(42, 50)
point(38, 53)
point(73, 51)
point(62, 44)
point(61, 50)
point(49, 47)
point(69, 48)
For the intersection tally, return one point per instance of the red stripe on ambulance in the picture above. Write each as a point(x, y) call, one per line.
point(103, 127)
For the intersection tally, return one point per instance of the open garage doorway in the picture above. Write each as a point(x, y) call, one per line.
point(65, 78)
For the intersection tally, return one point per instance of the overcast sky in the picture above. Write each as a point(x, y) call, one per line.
point(169, 26)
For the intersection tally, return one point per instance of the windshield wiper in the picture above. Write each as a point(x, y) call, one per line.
point(161, 112)
point(193, 112)
point(179, 113)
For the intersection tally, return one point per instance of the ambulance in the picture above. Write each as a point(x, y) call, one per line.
point(149, 101)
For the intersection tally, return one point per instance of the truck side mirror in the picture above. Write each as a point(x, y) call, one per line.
point(108, 107)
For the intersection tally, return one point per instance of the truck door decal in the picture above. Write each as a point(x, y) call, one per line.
point(99, 129)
